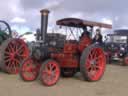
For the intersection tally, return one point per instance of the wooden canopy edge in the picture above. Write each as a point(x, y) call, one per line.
point(75, 22)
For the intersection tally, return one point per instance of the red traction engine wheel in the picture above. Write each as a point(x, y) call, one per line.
point(49, 72)
point(92, 63)
point(125, 63)
point(13, 51)
point(29, 70)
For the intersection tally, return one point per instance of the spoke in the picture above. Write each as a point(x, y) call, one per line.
point(96, 53)
point(6, 52)
point(52, 67)
point(11, 47)
point(7, 57)
point(19, 49)
point(34, 72)
point(92, 73)
point(11, 66)
point(8, 65)
point(22, 55)
point(14, 67)
point(88, 65)
point(47, 67)
point(18, 62)
point(5, 29)
point(100, 56)
point(90, 57)
point(7, 60)
point(55, 71)
point(98, 67)
point(16, 48)
point(93, 54)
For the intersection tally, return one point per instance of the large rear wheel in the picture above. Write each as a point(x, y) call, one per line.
point(92, 63)
point(12, 52)
point(50, 72)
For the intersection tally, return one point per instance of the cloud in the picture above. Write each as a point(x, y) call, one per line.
point(18, 20)
point(26, 12)
point(107, 21)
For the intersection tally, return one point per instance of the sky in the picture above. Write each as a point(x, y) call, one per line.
point(24, 15)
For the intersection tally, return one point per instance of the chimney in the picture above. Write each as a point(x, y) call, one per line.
point(44, 23)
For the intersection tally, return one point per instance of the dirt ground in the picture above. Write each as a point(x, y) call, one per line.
point(113, 83)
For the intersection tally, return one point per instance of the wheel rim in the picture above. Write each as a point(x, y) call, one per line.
point(29, 70)
point(50, 73)
point(14, 53)
point(7, 28)
point(126, 60)
point(95, 64)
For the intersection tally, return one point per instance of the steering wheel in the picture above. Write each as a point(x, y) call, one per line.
point(5, 28)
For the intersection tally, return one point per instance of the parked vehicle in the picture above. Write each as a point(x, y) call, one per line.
point(117, 48)
point(56, 54)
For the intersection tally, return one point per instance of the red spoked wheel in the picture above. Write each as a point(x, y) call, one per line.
point(13, 51)
point(49, 72)
point(92, 63)
point(29, 70)
point(125, 63)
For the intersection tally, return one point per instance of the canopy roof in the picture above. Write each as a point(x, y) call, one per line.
point(117, 35)
point(75, 22)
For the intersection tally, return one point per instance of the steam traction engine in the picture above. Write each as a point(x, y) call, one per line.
point(12, 50)
point(53, 54)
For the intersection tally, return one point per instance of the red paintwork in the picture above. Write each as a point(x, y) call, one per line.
point(84, 42)
point(30, 70)
point(95, 64)
point(69, 58)
point(15, 51)
point(50, 73)
point(66, 60)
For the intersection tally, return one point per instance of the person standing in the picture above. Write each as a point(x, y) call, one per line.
point(98, 37)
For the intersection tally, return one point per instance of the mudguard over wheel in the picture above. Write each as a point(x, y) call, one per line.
point(49, 72)
point(92, 63)
point(12, 52)
point(29, 70)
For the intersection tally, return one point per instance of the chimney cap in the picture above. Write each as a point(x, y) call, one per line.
point(44, 11)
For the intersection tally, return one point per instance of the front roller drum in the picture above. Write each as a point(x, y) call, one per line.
point(92, 63)
point(29, 70)
point(49, 72)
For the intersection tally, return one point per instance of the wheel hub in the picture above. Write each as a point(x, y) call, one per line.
point(93, 62)
point(13, 55)
point(49, 73)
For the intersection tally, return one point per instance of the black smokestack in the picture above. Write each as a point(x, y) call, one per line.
point(44, 23)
